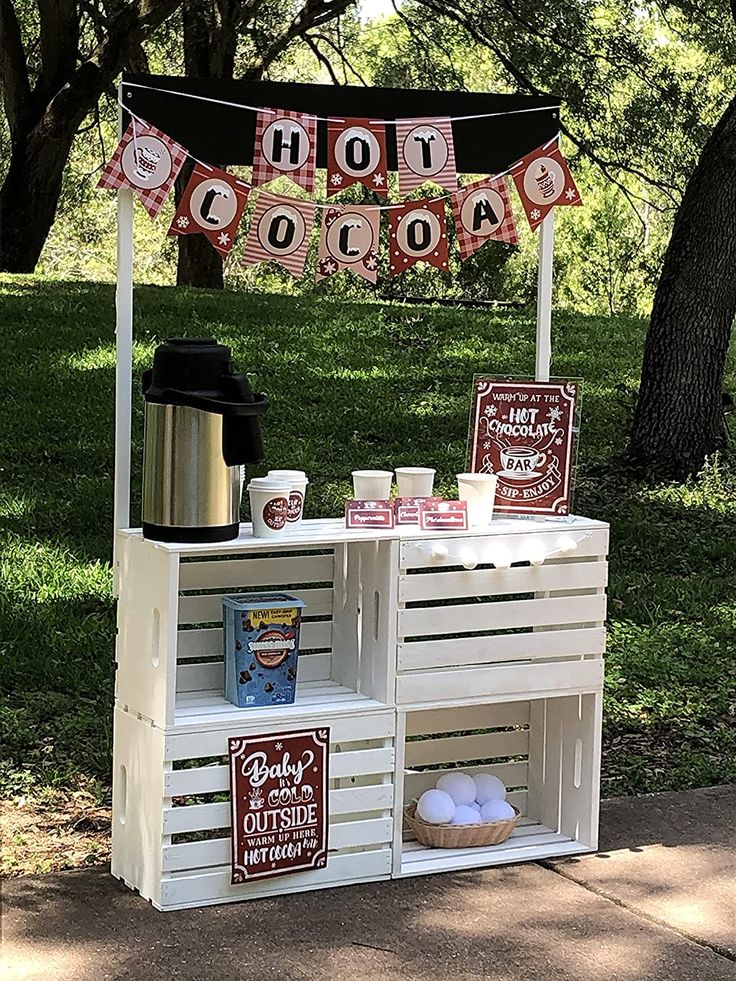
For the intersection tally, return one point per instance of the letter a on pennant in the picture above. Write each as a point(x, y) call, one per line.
point(356, 154)
point(425, 152)
point(349, 240)
point(418, 231)
point(285, 145)
point(280, 230)
point(482, 213)
point(544, 181)
point(212, 206)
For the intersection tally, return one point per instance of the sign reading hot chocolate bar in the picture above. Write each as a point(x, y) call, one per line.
point(523, 432)
point(279, 786)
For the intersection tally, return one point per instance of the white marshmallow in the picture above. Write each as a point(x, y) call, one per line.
point(496, 810)
point(436, 807)
point(459, 786)
point(465, 815)
point(488, 787)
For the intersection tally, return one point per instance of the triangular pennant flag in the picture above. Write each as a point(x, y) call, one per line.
point(280, 231)
point(544, 181)
point(482, 212)
point(356, 154)
point(418, 231)
point(147, 161)
point(349, 240)
point(425, 152)
point(285, 146)
point(212, 206)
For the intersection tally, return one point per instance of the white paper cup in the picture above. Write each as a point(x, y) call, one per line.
point(269, 506)
point(415, 481)
point(479, 490)
point(297, 481)
point(372, 485)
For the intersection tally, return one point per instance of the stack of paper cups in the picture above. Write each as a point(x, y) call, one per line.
point(269, 506)
point(479, 490)
point(297, 481)
point(415, 481)
point(372, 485)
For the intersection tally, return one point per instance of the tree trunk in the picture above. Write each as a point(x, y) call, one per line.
point(679, 414)
point(30, 195)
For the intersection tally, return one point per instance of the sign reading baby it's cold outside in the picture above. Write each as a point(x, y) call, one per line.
point(523, 432)
point(279, 785)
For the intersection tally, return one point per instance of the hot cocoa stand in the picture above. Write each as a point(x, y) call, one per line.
point(421, 651)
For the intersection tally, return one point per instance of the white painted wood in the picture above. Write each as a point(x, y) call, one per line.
point(512, 774)
point(496, 582)
point(207, 608)
point(123, 368)
point(181, 890)
point(479, 746)
point(346, 615)
point(251, 572)
point(535, 680)
point(541, 645)
point(450, 719)
point(503, 615)
point(145, 681)
point(379, 575)
point(207, 642)
point(544, 297)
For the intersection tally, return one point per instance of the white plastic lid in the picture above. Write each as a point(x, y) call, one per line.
point(298, 476)
point(269, 484)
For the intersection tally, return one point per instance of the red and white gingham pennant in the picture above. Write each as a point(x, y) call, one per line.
point(280, 231)
point(285, 146)
point(544, 181)
point(212, 205)
point(482, 213)
point(425, 152)
point(147, 161)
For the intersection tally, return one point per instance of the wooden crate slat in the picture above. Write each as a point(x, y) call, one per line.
point(249, 572)
point(541, 644)
point(180, 890)
point(534, 849)
point(482, 746)
point(417, 554)
point(217, 851)
point(499, 681)
point(504, 615)
point(195, 745)
point(497, 582)
point(213, 779)
point(512, 774)
point(192, 676)
point(207, 608)
point(207, 642)
point(423, 722)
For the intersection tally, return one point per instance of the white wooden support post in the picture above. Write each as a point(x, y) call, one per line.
point(544, 298)
point(123, 365)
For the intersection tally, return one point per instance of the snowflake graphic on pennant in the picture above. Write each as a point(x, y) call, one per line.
point(182, 222)
point(379, 180)
point(336, 180)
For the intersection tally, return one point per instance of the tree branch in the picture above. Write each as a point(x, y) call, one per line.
point(59, 34)
point(314, 13)
point(13, 70)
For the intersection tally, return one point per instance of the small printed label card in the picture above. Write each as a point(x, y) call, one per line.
point(443, 515)
point(369, 514)
point(407, 508)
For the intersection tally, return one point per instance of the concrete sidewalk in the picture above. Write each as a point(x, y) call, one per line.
point(657, 904)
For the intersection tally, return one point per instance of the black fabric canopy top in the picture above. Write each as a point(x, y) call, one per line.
point(224, 134)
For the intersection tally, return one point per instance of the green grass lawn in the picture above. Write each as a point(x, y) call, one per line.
point(351, 385)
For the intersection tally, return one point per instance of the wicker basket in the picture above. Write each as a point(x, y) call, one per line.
point(459, 835)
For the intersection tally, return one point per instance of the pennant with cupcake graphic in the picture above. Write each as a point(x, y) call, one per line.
point(544, 181)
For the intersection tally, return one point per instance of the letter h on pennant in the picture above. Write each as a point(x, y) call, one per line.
point(285, 145)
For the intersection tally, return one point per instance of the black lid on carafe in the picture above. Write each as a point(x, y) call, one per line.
point(199, 373)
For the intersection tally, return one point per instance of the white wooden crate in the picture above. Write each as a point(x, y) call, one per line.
point(170, 646)
point(487, 631)
point(171, 809)
point(547, 752)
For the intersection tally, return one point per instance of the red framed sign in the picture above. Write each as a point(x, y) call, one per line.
point(523, 431)
point(279, 785)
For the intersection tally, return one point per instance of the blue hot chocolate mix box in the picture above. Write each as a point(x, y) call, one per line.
point(261, 646)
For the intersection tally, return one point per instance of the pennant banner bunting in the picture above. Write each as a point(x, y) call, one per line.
point(349, 240)
point(285, 145)
point(544, 181)
point(418, 231)
point(356, 154)
point(147, 161)
point(212, 206)
point(280, 231)
point(425, 152)
point(482, 213)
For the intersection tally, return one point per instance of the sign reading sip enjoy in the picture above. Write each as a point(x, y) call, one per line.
point(279, 801)
point(523, 432)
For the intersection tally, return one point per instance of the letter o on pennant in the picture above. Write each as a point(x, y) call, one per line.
point(357, 151)
point(281, 230)
point(419, 233)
